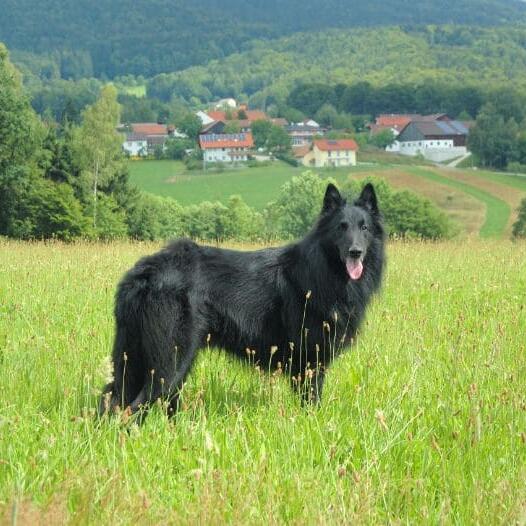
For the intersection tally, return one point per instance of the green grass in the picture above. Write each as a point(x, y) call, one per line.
point(257, 186)
point(423, 421)
point(497, 211)
point(514, 181)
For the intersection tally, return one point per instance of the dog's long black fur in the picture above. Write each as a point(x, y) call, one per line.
point(306, 299)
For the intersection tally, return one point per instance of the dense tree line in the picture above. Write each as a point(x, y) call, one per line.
point(267, 71)
point(370, 71)
point(63, 181)
point(363, 98)
point(109, 38)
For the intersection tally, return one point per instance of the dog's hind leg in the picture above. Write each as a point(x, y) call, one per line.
point(169, 346)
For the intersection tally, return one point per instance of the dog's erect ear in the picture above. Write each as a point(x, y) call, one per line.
point(368, 199)
point(332, 199)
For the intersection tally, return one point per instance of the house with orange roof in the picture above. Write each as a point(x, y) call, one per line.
point(226, 148)
point(331, 153)
point(242, 115)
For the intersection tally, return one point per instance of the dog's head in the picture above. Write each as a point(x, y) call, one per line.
point(350, 231)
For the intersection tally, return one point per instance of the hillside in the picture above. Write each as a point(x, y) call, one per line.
point(266, 71)
point(145, 37)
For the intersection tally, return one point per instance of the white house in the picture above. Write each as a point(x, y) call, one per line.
point(438, 141)
point(226, 148)
point(136, 145)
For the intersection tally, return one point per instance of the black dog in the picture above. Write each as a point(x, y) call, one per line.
point(296, 306)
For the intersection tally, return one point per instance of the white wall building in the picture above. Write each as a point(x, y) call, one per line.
point(135, 145)
point(226, 148)
point(436, 141)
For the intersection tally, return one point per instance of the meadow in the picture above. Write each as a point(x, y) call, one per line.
point(258, 186)
point(423, 420)
point(480, 202)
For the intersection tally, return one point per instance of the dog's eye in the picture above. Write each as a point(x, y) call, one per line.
point(344, 225)
point(364, 227)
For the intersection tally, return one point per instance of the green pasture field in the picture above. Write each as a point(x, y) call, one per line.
point(260, 185)
point(423, 421)
point(257, 186)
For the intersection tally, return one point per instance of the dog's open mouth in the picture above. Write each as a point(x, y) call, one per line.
point(354, 268)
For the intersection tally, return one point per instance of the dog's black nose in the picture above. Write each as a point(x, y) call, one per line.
point(355, 253)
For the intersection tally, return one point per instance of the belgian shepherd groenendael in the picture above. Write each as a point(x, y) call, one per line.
point(293, 307)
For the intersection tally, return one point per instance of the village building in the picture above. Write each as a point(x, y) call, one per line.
point(143, 137)
point(302, 134)
point(396, 122)
point(331, 153)
point(436, 140)
point(226, 148)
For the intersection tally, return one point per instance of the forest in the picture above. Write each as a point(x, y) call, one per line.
point(108, 38)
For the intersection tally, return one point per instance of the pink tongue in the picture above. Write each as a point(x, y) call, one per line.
point(354, 268)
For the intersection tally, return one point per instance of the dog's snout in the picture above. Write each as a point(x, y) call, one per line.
point(355, 253)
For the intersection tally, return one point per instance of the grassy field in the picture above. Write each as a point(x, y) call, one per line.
point(480, 202)
point(258, 186)
point(423, 421)
point(497, 210)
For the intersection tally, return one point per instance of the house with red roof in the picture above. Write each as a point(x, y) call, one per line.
point(142, 138)
point(242, 115)
point(226, 148)
point(331, 153)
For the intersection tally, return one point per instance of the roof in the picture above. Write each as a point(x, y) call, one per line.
point(132, 137)
point(207, 127)
point(302, 128)
point(155, 139)
point(329, 145)
point(149, 128)
point(280, 121)
point(300, 151)
point(226, 140)
point(252, 115)
point(396, 121)
point(441, 128)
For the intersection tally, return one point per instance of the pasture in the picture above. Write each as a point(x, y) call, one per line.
point(423, 420)
point(482, 203)
point(258, 186)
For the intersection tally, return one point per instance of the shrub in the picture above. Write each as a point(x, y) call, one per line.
point(155, 217)
point(297, 206)
point(519, 227)
point(406, 214)
point(242, 222)
point(205, 221)
point(287, 158)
